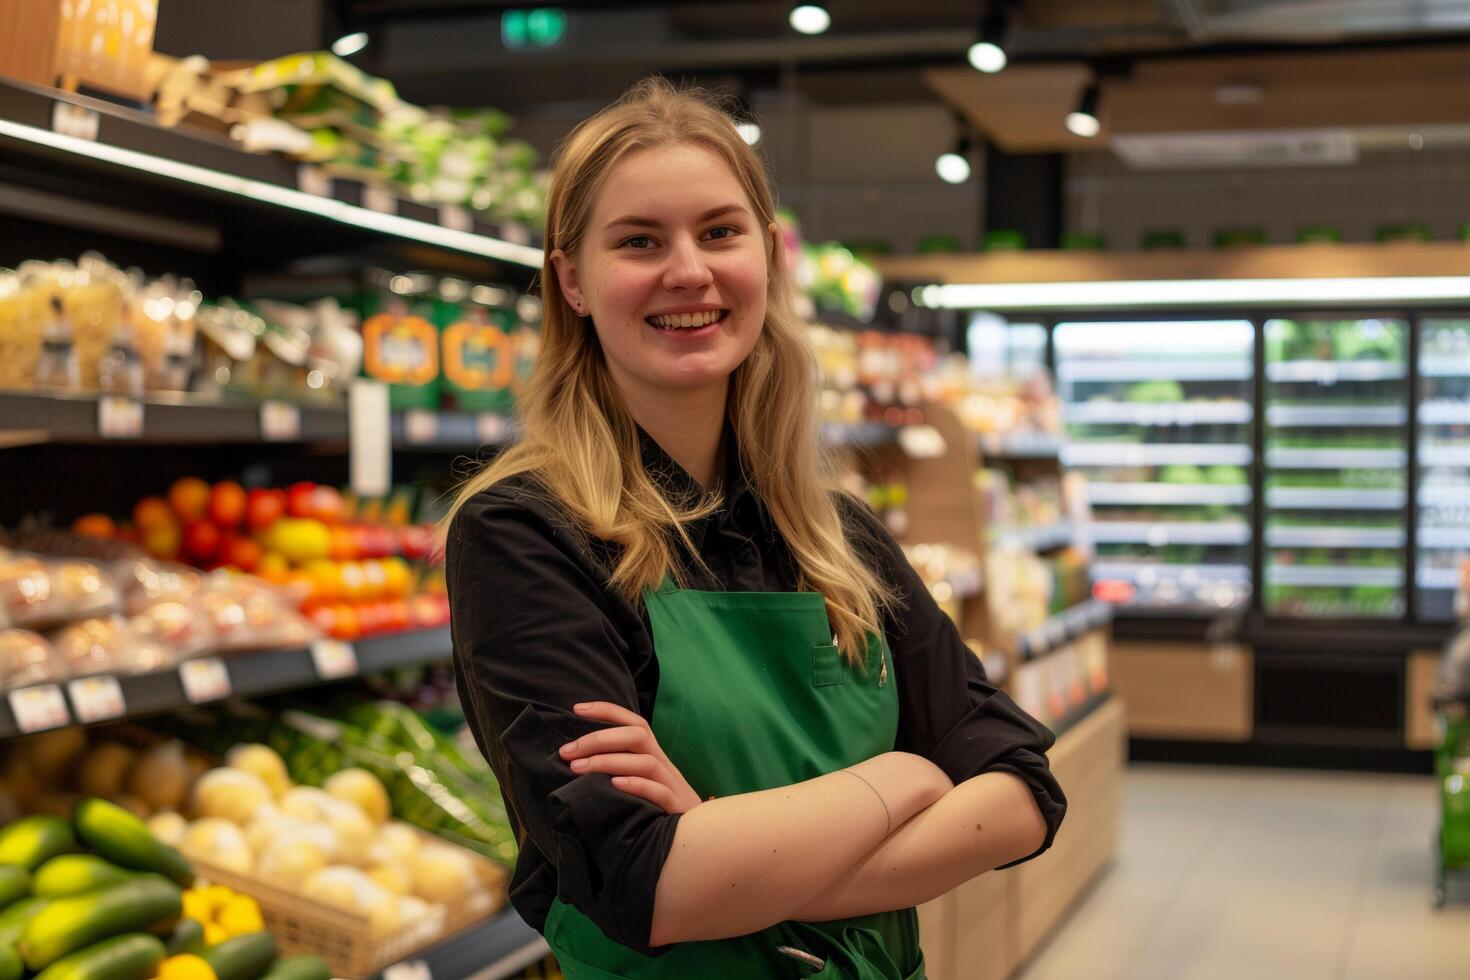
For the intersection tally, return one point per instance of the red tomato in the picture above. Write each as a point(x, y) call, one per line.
point(243, 553)
point(299, 499)
point(326, 505)
point(264, 507)
point(201, 541)
point(227, 504)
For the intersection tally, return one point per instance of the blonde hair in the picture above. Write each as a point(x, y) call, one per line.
point(579, 441)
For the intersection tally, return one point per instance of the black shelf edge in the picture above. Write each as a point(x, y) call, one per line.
point(1077, 715)
point(266, 672)
point(499, 947)
point(1063, 628)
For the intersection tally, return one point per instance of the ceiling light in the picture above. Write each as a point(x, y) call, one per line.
point(988, 53)
point(810, 18)
point(349, 44)
point(954, 167)
point(1083, 120)
point(749, 131)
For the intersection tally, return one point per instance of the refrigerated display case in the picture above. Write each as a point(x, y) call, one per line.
point(1159, 418)
point(1444, 465)
point(1335, 454)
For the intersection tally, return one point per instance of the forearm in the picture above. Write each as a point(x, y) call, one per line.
point(985, 822)
point(742, 863)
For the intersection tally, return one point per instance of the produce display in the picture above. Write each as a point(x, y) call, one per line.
point(1334, 397)
point(355, 567)
point(1444, 468)
point(828, 276)
point(319, 109)
point(1159, 422)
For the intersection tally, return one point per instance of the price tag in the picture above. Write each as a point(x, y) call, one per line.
point(312, 180)
point(409, 970)
point(205, 679)
point(421, 427)
point(490, 428)
point(74, 120)
point(280, 421)
point(334, 659)
point(96, 698)
point(456, 217)
point(39, 708)
point(119, 418)
point(376, 198)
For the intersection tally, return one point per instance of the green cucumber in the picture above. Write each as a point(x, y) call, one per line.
point(300, 968)
point(122, 838)
point(15, 884)
point(11, 965)
point(74, 874)
point(13, 920)
point(187, 937)
point(68, 924)
point(31, 840)
point(247, 957)
point(134, 956)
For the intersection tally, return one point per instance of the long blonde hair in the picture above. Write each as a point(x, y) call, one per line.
point(581, 443)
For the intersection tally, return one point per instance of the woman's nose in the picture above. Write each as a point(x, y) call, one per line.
point(687, 268)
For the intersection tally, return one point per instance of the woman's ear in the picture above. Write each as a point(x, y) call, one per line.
point(566, 279)
point(775, 231)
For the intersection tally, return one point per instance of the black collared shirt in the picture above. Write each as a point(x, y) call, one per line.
point(537, 629)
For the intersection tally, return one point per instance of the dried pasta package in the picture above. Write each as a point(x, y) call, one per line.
point(26, 658)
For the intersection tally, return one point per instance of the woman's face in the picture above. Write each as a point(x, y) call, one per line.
point(672, 269)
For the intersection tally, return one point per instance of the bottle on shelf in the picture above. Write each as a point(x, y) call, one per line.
point(59, 366)
point(120, 369)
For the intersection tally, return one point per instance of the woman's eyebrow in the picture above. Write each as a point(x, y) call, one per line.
point(636, 221)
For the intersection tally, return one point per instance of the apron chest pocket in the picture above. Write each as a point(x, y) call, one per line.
point(828, 668)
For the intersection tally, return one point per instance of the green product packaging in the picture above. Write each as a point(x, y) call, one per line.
point(401, 348)
point(479, 357)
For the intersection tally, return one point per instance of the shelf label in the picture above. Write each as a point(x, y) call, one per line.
point(280, 421)
point(334, 659)
point(420, 427)
point(205, 679)
point(409, 970)
point(456, 217)
point(119, 417)
point(75, 121)
point(97, 698)
point(490, 428)
point(379, 199)
point(370, 435)
point(312, 180)
point(38, 709)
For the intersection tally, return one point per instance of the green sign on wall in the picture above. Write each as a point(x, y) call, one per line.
point(539, 27)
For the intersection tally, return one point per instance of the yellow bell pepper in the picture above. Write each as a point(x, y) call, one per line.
point(185, 966)
point(240, 915)
point(214, 934)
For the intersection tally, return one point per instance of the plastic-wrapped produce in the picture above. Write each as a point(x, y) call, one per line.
point(37, 593)
point(109, 645)
point(28, 658)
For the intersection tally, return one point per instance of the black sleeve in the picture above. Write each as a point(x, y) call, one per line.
point(533, 635)
point(948, 711)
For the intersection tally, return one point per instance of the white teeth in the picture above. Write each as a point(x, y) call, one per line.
point(686, 321)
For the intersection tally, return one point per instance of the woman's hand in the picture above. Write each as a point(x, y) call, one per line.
point(630, 754)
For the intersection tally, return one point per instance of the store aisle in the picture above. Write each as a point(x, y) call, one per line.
point(1266, 874)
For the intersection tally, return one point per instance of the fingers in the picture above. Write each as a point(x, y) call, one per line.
point(604, 740)
point(621, 764)
point(654, 792)
point(614, 714)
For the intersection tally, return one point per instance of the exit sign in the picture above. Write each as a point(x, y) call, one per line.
point(539, 27)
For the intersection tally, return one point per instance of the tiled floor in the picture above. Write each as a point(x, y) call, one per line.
point(1252, 874)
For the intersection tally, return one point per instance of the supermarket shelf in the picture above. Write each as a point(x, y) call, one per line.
point(1150, 573)
point(1159, 413)
point(1159, 533)
point(1063, 628)
point(1158, 454)
point(1333, 498)
point(1334, 459)
point(499, 947)
point(1021, 445)
point(1202, 494)
point(1449, 367)
point(1329, 576)
point(167, 418)
point(1046, 538)
point(1444, 496)
point(1336, 416)
point(1076, 716)
point(1444, 455)
point(1444, 538)
point(1335, 537)
point(858, 433)
point(267, 672)
point(131, 145)
point(1444, 411)
point(1331, 372)
point(1438, 579)
point(1150, 370)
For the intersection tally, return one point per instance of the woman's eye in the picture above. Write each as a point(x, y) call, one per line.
point(723, 231)
point(638, 241)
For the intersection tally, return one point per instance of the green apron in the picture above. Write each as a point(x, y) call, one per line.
point(752, 694)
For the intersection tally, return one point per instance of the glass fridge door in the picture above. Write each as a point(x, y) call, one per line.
point(1336, 441)
point(1444, 464)
point(1159, 420)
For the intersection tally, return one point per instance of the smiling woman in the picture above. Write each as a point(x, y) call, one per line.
point(737, 736)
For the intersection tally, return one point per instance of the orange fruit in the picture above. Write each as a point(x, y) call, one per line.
point(326, 579)
point(273, 567)
point(153, 512)
point(189, 497)
point(162, 542)
point(94, 526)
point(399, 577)
point(354, 581)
